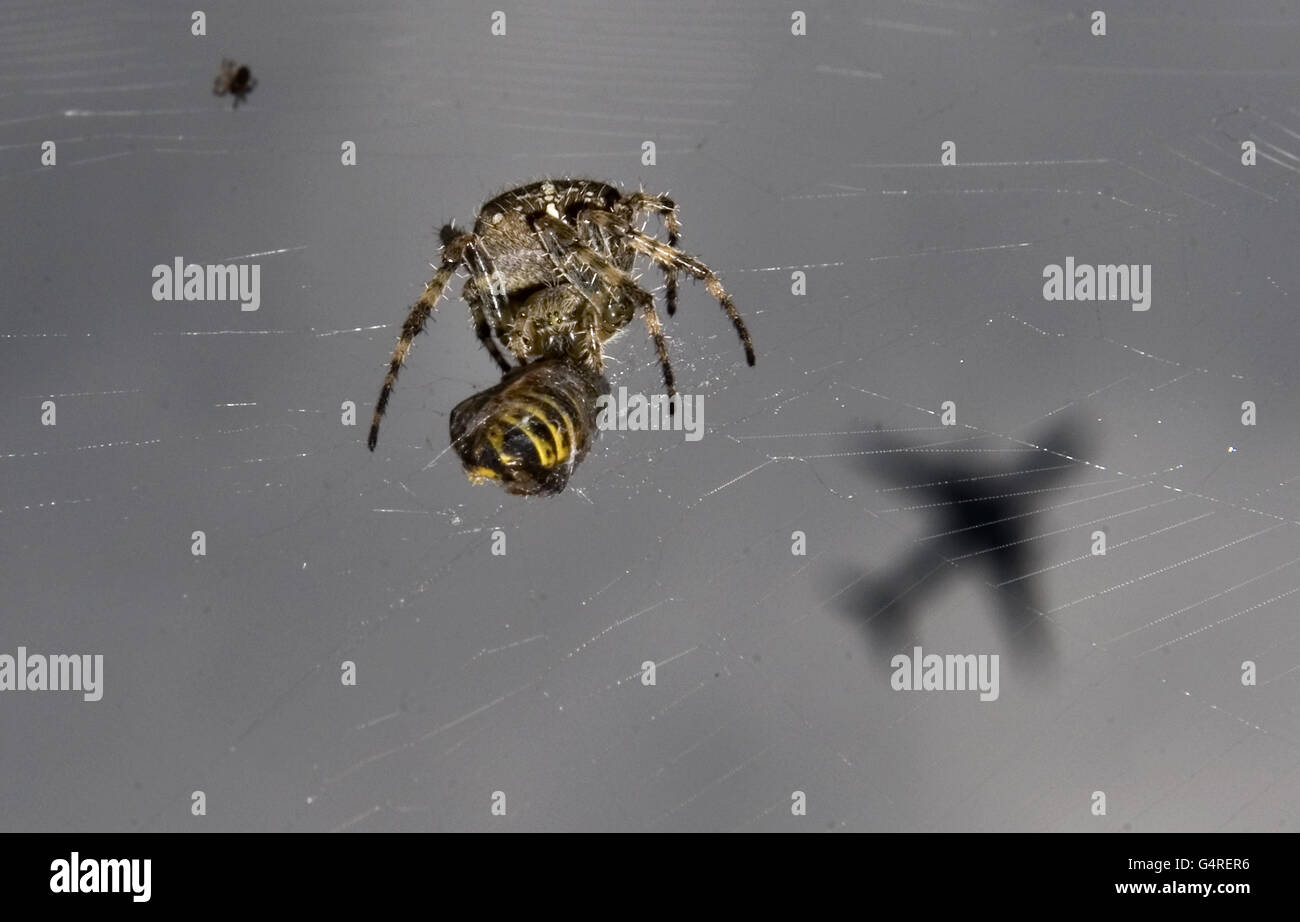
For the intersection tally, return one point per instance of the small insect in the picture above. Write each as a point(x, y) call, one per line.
point(234, 79)
point(530, 431)
point(550, 279)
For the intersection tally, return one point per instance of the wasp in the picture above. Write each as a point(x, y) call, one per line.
point(530, 431)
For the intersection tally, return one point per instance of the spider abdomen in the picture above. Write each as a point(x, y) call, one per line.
point(561, 195)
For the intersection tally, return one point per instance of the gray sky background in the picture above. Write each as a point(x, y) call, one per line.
point(520, 673)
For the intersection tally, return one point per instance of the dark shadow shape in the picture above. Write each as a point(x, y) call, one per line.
point(985, 522)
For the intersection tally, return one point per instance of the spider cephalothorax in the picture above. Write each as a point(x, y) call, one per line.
point(234, 79)
point(550, 277)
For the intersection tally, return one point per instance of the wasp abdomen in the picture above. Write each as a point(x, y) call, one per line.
point(532, 429)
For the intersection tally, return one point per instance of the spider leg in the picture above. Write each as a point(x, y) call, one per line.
point(452, 256)
point(661, 347)
point(570, 253)
point(563, 243)
point(560, 241)
point(486, 277)
point(484, 333)
point(666, 208)
point(488, 284)
point(666, 255)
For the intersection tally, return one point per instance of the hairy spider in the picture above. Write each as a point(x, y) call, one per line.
point(235, 79)
point(550, 277)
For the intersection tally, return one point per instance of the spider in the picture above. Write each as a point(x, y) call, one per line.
point(550, 278)
point(235, 79)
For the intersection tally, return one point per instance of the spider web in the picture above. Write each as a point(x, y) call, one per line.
point(522, 673)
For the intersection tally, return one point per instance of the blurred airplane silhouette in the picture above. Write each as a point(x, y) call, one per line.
point(985, 520)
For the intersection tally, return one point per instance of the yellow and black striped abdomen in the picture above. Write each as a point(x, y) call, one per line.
point(532, 429)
